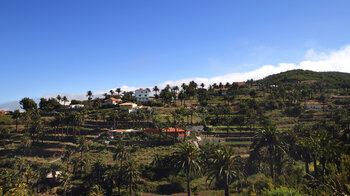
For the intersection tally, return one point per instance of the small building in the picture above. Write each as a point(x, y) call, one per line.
point(142, 95)
point(201, 89)
point(117, 131)
point(123, 131)
point(112, 101)
point(221, 91)
point(4, 112)
point(51, 176)
point(144, 107)
point(239, 83)
point(76, 106)
point(128, 107)
point(171, 131)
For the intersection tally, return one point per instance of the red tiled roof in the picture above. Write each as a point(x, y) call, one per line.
point(3, 112)
point(126, 104)
point(218, 89)
point(170, 131)
point(113, 99)
point(240, 83)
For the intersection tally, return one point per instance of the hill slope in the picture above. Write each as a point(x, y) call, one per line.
point(335, 79)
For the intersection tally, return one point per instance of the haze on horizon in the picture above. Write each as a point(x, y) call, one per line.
point(49, 48)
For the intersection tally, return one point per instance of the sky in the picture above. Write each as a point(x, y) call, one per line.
point(69, 47)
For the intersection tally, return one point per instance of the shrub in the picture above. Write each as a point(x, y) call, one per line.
point(176, 185)
point(282, 191)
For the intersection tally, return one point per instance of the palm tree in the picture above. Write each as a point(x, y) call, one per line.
point(106, 95)
point(96, 190)
point(66, 181)
point(156, 89)
point(82, 146)
point(270, 138)
point(89, 95)
point(187, 158)
point(64, 100)
point(120, 154)
point(131, 174)
point(67, 156)
point(224, 166)
point(16, 115)
point(112, 92)
point(118, 90)
point(76, 119)
point(59, 98)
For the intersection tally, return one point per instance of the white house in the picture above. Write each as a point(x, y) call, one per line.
point(76, 106)
point(142, 95)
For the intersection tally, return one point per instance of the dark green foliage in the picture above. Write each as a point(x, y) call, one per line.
point(176, 185)
point(282, 191)
point(49, 105)
point(295, 110)
point(333, 79)
point(73, 101)
point(28, 104)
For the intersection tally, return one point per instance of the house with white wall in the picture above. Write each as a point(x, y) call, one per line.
point(142, 95)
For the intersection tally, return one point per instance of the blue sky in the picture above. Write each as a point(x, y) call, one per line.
point(50, 47)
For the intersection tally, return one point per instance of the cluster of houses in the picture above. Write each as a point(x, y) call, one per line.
point(3, 112)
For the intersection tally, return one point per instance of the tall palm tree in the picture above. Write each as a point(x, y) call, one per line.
point(224, 166)
point(89, 95)
point(118, 90)
point(16, 115)
point(187, 157)
point(59, 98)
point(67, 157)
point(82, 146)
point(66, 182)
point(96, 190)
point(120, 154)
point(270, 138)
point(106, 95)
point(112, 92)
point(131, 174)
point(156, 89)
point(65, 99)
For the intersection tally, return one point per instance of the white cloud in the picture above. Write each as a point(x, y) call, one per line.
point(338, 60)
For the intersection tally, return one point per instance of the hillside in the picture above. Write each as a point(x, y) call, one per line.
point(283, 134)
point(333, 79)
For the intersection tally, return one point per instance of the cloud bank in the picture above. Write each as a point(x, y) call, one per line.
point(337, 60)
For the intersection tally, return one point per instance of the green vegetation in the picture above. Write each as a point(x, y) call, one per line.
point(287, 134)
